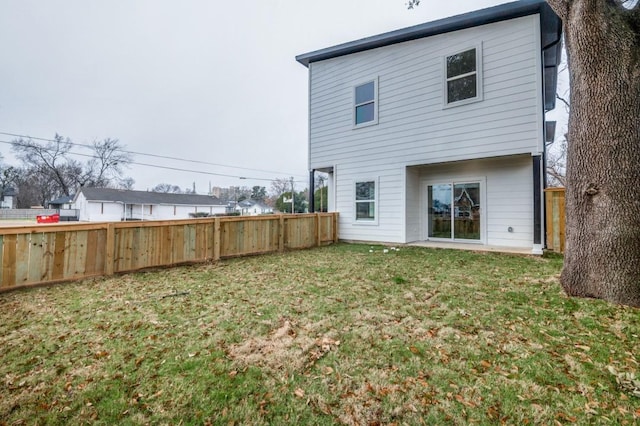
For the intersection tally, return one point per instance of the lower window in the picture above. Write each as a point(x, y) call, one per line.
point(365, 201)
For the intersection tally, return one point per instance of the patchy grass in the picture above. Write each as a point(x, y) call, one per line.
point(343, 334)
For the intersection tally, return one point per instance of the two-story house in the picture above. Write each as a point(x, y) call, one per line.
point(436, 132)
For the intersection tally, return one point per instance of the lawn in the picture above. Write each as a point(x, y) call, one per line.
point(345, 334)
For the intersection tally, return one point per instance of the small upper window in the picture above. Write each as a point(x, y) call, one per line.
point(365, 104)
point(463, 76)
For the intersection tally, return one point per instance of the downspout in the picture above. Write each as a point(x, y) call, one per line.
point(312, 188)
point(543, 165)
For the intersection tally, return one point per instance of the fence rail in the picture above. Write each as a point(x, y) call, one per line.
point(555, 220)
point(54, 253)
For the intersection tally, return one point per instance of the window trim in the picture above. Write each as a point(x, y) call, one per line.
point(354, 105)
point(376, 201)
point(478, 73)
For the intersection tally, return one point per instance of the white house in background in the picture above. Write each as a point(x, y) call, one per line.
point(106, 204)
point(8, 198)
point(436, 132)
point(252, 208)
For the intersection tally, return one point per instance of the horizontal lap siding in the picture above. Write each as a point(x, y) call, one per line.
point(413, 127)
point(508, 195)
point(510, 203)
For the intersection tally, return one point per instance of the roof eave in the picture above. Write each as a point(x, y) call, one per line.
point(468, 20)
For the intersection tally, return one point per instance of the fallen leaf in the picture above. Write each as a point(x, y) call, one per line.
point(299, 393)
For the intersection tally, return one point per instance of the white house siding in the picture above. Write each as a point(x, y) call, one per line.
point(91, 211)
point(413, 127)
point(507, 202)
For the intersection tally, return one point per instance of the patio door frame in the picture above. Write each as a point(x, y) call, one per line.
point(424, 209)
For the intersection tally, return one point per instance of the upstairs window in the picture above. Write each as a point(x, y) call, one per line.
point(463, 71)
point(365, 105)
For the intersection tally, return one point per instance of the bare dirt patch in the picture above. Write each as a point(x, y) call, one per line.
point(289, 346)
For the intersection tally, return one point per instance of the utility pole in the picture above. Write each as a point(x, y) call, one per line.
point(292, 196)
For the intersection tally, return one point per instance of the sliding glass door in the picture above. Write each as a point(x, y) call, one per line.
point(454, 211)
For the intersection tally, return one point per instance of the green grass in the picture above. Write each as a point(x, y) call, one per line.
point(346, 334)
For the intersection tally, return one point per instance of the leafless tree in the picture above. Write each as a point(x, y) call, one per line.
point(50, 165)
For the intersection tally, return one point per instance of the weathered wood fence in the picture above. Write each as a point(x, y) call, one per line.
point(54, 253)
point(554, 199)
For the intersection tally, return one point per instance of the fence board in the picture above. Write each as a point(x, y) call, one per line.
point(555, 218)
point(48, 246)
point(22, 251)
point(36, 257)
point(9, 261)
point(58, 255)
point(92, 262)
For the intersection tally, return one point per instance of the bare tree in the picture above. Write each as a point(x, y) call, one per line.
point(35, 188)
point(50, 165)
point(557, 165)
point(105, 166)
point(49, 160)
point(279, 186)
point(167, 188)
point(126, 183)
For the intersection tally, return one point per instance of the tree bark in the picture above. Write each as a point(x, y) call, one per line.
point(602, 257)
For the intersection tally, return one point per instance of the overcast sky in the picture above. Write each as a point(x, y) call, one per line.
point(212, 81)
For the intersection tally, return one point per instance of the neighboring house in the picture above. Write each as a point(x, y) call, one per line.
point(8, 198)
point(64, 205)
point(411, 123)
point(106, 204)
point(252, 208)
point(64, 202)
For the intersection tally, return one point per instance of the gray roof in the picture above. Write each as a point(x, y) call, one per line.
point(9, 192)
point(550, 24)
point(65, 199)
point(145, 197)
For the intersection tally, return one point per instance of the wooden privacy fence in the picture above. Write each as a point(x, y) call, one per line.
point(54, 253)
point(554, 199)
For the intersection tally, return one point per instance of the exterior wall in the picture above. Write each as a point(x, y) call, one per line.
point(254, 210)
point(97, 211)
point(507, 201)
point(7, 202)
point(413, 126)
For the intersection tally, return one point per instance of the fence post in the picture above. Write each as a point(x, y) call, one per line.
point(335, 227)
point(318, 229)
point(216, 239)
point(109, 264)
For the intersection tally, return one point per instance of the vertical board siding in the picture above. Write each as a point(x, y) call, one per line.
point(54, 253)
point(555, 218)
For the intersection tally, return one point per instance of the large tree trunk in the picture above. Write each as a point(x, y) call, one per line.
point(602, 258)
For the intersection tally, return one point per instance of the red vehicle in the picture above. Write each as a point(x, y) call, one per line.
point(48, 218)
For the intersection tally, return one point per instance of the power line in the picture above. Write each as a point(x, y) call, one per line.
point(154, 155)
point(161, 167)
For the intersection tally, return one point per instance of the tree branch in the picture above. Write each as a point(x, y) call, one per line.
point(561, 7)
point(563, 100)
